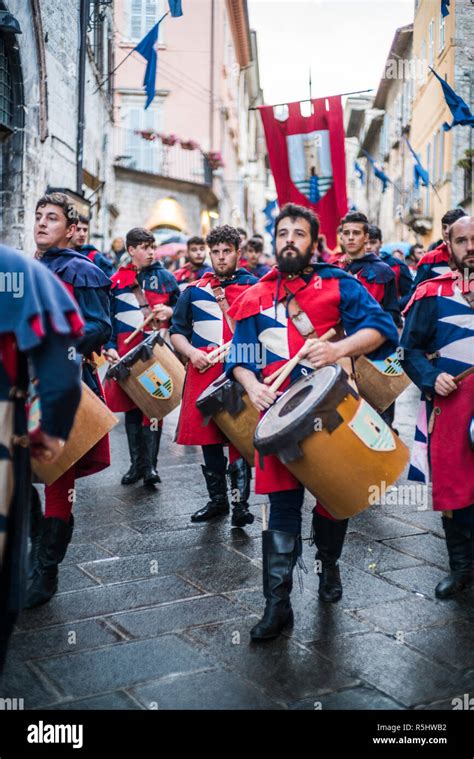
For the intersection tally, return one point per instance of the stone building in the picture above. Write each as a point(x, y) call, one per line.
point(55, 124)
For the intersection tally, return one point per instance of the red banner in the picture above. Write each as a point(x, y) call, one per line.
point(307, 159)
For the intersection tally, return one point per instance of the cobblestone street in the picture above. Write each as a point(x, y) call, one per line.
point(154, 612)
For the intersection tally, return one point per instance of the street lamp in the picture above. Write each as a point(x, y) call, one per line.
point(9, 24)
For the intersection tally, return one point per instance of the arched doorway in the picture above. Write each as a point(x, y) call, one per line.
point(12, 122)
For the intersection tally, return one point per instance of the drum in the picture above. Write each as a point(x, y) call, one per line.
point(333, 442)
point(152, 376)
point(229, 405)
point(380, 382)
point(93, 420)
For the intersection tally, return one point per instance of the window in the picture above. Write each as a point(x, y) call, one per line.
point(140, 154)
point(431, 42)
point(433, 169)
point(6, 90)
point(442, 32)
point(423, 62)
point(143, 15)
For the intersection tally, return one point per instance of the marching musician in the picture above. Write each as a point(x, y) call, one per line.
point(437, 261)
point(195, 267)
point(139, 288)
point(403, 278)
point(376, 276)
point(55, 224)
point(80, 242)
point(296, 300)
point(438, 346)
point(253, 251)
point(200, 323)
point(39, 323)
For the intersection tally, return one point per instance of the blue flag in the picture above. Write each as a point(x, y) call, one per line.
point(271, 212)
point(445, 7)
point(460, 110)
point(175, 8)
point(420, 174)
point(360, 171)
point(147, 49)
point(377, 170)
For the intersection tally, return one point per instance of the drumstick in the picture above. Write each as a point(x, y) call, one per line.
point(464, 374)
point(216, 355)
point(139, 329)
point(327, 336)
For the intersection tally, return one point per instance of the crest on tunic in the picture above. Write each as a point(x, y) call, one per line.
point(309, 157)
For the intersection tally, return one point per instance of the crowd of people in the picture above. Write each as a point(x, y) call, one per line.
point(79, 305)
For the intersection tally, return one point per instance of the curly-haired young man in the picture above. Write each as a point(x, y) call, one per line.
point(199, 324)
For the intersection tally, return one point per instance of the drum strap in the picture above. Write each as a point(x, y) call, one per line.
point(142, 301)
point(223, 304)
point(305, 327)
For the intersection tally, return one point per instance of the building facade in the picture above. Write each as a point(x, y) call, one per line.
point(207, 78)
point(55, 124)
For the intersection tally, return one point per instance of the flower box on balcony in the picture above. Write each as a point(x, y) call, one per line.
point(169, 139)
point(189, 145)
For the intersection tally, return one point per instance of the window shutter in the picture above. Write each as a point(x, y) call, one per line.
point(136, 17)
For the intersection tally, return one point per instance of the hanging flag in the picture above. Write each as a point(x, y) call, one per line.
point(379, 173)
point(420, 174)
point(445, 7)
point(360, 172)
point(175, 8)
point(307, 159)
point(461, 113)
point(271, 212)
point(147, 49)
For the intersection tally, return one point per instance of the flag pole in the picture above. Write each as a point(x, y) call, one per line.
point(111, 73)
point(340, 94)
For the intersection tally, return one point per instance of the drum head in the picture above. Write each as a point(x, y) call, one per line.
point(300, 400)
point(221, 383)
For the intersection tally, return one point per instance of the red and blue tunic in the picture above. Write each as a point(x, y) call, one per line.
point(187, 274)
point(379, 279)
point(432, 264)
point(98, 259)
point(39, 321)
point(258, 271)
point(199, 318)
point(90, 288)
point(158, 286)
point(330, 298)
point(440, 324)
point(403, 278)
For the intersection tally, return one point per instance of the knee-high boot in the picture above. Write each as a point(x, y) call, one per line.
point(55, 538)
point(280, 554)
point(459, 542)
point(151, 444)
point(135, 443)
point(328, 536)
point(240, 474)
point(217, 488)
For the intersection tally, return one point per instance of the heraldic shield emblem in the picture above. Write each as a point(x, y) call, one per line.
point(156, 382)
point(309, 157)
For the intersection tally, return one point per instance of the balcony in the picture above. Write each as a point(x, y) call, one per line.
point(132, 151)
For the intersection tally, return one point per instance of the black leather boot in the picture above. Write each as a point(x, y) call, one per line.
point(36, 523)
point(240, 474)
point(134, 437)
point(328, 536)
point(55, 538)
point(459, 543)
point(217, 488)
point(280, 553)
point(151, 443)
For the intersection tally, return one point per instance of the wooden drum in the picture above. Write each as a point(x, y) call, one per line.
point(93, 420)
point(152, 376)
point(380, 382)
point(332, 441)
point(226, 401)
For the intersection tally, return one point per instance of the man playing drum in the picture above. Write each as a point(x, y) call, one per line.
point(39, 322)
point(141, 287)
point(438, 346)
point(55, 225)
point(293, 301)
point(200, 322)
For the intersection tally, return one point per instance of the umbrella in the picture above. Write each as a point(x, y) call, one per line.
point(172, 249)
point(173, 237)
point(389, 247)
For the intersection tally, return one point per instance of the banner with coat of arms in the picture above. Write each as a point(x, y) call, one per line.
point(307, 159)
